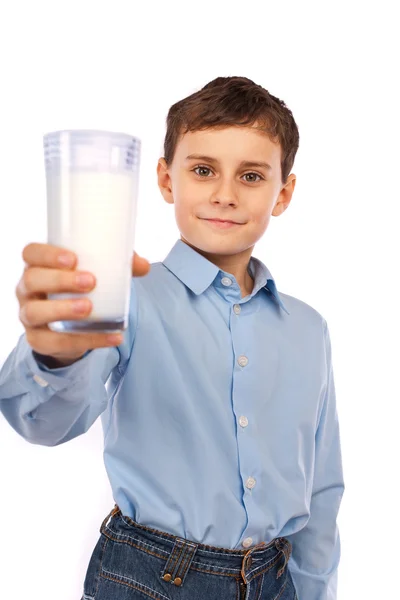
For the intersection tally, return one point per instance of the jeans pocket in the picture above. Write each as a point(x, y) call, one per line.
point(129, 571)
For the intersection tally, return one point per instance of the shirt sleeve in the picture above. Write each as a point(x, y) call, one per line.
point(316, 548)
point(52, 406)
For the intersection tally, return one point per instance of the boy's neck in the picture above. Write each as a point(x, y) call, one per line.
point(236, 265)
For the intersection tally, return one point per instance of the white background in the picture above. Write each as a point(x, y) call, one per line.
point(119, 66)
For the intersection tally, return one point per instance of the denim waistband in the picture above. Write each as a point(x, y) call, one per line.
point(181, 554)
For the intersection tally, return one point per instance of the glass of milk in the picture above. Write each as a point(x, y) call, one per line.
point(92, 183)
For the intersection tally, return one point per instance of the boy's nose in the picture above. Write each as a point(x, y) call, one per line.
point(225, 193)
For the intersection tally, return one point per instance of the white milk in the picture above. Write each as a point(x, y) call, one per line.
point(93, 215)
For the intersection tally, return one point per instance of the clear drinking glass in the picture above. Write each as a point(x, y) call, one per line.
point(92, 183)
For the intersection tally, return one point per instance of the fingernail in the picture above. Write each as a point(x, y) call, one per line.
point(84, 279)
point(79, 305)
point(114, 339)
point(67, 260)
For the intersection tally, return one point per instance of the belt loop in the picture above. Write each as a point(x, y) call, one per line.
point(110, 514)
point(286, 548)
point(179, 561)
point(246, 562)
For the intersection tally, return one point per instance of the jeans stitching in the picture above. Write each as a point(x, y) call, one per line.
point(174, 559)
point(255, 570)
point(264, 570)
point(237, 589)
point(139, 586)
point(138, 544)
point(128, 541)
point(281, 591)
point(163, 558)
point(187, 560)
point(105, 542)
point(259, 587)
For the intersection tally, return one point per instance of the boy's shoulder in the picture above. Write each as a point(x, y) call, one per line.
point(299, 309)
point(302, 310)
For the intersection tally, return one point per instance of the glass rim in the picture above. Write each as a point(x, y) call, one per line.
point(64, 135)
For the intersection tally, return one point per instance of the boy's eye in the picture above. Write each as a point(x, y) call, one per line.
point(201, 169)
point(253, 175)
point(204, 171)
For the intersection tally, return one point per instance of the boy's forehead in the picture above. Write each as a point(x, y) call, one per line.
point(231, 139)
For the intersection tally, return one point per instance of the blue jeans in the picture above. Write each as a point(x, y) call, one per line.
point(134, 562)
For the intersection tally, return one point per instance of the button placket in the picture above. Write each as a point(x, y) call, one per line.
point(243, 421)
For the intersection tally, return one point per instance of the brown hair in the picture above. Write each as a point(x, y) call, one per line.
point(228, 101)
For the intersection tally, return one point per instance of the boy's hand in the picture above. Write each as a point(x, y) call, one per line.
point(43, 275)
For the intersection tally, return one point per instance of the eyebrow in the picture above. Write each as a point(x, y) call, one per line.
point(244, 163)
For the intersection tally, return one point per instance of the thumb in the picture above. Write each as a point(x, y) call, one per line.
point(140, 266)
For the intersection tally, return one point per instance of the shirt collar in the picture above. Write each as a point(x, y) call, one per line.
point(198, 273)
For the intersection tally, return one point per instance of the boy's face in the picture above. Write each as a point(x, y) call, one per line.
point(221, 187)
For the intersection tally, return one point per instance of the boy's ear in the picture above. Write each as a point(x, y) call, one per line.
point(164, 181)
point(285, 196)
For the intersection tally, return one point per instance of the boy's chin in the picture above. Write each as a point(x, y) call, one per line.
point(208, 246)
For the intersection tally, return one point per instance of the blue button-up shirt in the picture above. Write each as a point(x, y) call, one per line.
point(219, 413)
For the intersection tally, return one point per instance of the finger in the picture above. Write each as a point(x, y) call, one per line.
point(46, 255)
point(50, 343)
point(140, 266)
point(37, 313)
point(53, 281)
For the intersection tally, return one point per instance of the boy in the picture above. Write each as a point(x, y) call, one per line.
point(221, 438)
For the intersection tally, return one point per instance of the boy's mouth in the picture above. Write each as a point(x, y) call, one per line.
point(222, 220)
point(222, 224)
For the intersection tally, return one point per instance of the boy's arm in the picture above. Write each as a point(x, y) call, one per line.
point(316, 548)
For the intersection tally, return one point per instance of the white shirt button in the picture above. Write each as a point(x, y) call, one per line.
point(237, 309)
point(42, 382)
point(243, 361)
point(243, 421)
point(247, 542)
point(226, 281)
point(250, 483)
